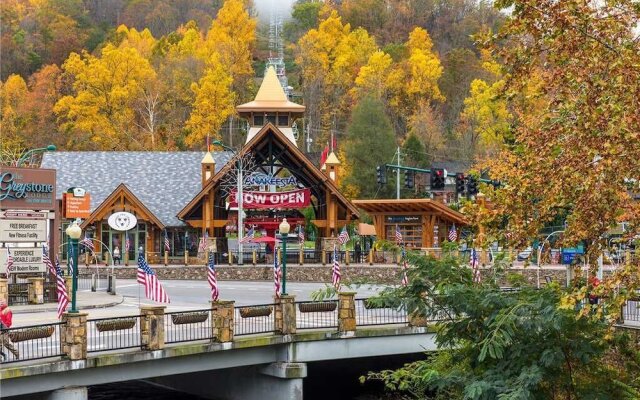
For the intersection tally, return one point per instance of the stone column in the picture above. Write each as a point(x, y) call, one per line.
point(346, 312)
point(417, 320)
point(152, 327)
point(74, 335)
point(36, 290)
point(222, 316)
point(285, 314)
point(70, 393)
point(68, 282)
point(4, 290)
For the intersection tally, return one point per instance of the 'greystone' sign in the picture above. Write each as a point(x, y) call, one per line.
point(22, 230)
point(25, 260)
point(27, 188)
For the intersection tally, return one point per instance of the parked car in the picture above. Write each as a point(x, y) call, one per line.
point(525, 254)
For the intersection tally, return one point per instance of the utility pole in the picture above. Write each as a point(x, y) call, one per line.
point(398, 176)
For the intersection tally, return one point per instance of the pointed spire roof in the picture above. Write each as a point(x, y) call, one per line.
point(208, 159)
point(270, 97)
point(332, 159)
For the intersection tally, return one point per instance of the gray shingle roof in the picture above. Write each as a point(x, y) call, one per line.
point(164, 181)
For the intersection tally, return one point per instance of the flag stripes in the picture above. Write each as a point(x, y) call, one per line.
point(61, 287)
point(344, 236)
point(277, 272)
point(453, 233)
point(398, 235)
point(153, 289)
point(211, 277)
point(475, 266)
point(335, 272)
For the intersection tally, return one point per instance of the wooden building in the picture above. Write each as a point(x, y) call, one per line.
point(423, 223)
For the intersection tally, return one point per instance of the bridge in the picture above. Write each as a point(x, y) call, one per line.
point(251, 349)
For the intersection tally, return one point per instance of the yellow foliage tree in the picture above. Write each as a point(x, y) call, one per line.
point(214, 103)
point(13, 93)
point(372, 77)
point(101, 111)
point(143, 41)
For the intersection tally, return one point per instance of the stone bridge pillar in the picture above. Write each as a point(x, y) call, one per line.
point(152, 327)
point(4, 290)
point(36, 290)
point(74, 335)
point(346, 312)
point(285, 314)
point(69, 393)
point(222, 317)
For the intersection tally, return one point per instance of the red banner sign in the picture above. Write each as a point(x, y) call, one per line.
point(292, 199)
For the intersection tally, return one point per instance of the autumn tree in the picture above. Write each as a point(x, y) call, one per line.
point(13, 94)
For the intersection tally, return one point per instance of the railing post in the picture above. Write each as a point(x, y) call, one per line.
point(301, 257)
point(370, 256)
point(254, 257)
point(324, 258)
point(230, 253)
point(347, 258)
point(186, 258)
point(166, 258)
point(346, 312)
point(152, 327)
point(222, 320)
point(74, 335)
point(36, 290)
point(285, 314)
point(4, 290)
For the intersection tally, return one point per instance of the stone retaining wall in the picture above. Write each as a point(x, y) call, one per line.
point(384, 274)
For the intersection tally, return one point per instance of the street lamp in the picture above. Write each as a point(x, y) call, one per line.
point(284, 232)
point(239, 199)
point(33, 151)
point(74, 232)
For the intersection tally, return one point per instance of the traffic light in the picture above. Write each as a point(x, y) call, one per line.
point(381, 174)
point(437, 179)
point(472, 186)
point(460, 183)
point(409, 179)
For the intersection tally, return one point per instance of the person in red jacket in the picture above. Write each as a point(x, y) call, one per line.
point(6, 319)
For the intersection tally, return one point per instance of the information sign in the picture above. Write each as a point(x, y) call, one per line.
point(22, 230)
point(25, 260)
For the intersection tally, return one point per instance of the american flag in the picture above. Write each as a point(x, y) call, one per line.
point(153, 289)
point(203, 241)
point(127, 244)
point(475, 267)
point(405, 267)
point(301, 234)
point(453, 233)
point(277, 273)
point(211, 277)
point(61, 287)
point(398, 235)
point(9, 262)
point(70, 260)
point(335, 272)
point(167, 245)
point(88, 243)
point(251, 233)
point(344, 236)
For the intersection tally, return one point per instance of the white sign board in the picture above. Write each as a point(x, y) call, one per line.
point(22, 230)
point(25, 260)
point(122, 221)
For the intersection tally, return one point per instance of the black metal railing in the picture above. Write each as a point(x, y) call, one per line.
point(18, 294)
point(106, 334)
point(317, 314)
point(251, 320)
point(368, 314)
point(187, 326)
point(32, 342)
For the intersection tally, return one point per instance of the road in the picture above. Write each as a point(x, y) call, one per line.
point(190, 295)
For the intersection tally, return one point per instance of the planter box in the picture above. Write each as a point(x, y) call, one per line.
point(31, 333)
point(370, 305)
point(190, 318)
point(321, 306)
point(248, 312)
point(115, 324)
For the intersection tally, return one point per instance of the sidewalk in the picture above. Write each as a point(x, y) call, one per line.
point(85, 300)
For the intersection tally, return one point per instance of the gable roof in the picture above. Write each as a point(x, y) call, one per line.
point(385, 206)
point(163, 181)
point(297, 158)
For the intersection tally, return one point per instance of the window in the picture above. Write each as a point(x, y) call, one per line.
point(283, 120)
point(258, 120)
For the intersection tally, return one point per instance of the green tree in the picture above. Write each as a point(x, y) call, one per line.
point(414, 152)
point(370, 142)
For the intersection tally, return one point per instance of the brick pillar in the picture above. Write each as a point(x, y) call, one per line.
point(222, 320)
point(417, 320)
point(36, 290)
point(68, 282)
point(4, 290)
point(152, 327)
point(346, 312)
point(73, 338)
point(285, 314)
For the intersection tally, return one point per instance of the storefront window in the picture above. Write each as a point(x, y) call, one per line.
point(410, 227)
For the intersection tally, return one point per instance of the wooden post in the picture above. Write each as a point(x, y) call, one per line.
point(347, 258)
point(86, 258)
point(186, 257)
point(301, 257)
point(230, 253)
point(254, 257)
point(324, 257)
point(370, 256)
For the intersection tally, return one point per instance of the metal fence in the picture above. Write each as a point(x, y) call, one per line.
point(106, 334)
point(251, 320)
point(32, 342)
point(631, 310)
point(187, 326)
point(368, 314)
point(317, 314)
point(18, 293)
point(50, 292)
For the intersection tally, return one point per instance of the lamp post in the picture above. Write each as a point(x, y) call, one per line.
point(284, 232)
point(74, 232)
point(239, 199)
point(540, 255)
point(33, 151)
